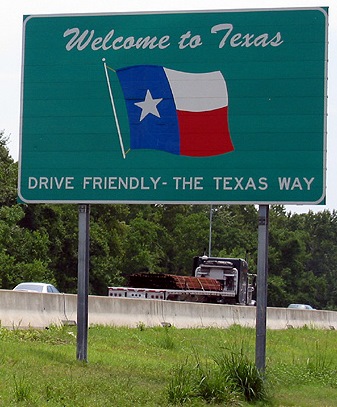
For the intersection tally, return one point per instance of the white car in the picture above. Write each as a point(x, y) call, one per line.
point(37, 287)
point(300, 306)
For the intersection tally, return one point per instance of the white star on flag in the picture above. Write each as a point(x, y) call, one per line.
point(149, 106)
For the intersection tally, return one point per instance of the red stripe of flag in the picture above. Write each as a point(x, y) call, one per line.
point(204, 134)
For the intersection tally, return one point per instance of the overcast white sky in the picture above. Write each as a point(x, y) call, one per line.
point(10, 56)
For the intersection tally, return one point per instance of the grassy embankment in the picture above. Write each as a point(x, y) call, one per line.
point(166, 366)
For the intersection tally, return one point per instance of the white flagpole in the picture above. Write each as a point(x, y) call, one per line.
point(114, 109)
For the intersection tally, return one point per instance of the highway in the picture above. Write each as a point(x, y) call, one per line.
point(36, 310)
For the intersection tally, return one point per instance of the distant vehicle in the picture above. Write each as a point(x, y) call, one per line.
point(37, 287)
point(301, 306)
point(216, 280)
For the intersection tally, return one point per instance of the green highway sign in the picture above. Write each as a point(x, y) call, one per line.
point(183, 107)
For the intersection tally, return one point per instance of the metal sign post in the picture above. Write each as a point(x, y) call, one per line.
point(261, 300)
point(83, 282)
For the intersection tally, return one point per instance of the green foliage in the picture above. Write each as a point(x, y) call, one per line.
point(22, 389)
point(190, 383)
point(229, 378)
point(235, 231)
point(166, 341)
point(8, 174)
point(313, 365)
point(23, 254)
point(243, 374)
point(319, 366)
point(143, 246)
point(193, 228)
point(130, 367)
point(59, 224)
point(181, 388)
point(213, 386)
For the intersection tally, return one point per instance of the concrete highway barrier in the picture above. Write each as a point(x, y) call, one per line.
point(26, 309)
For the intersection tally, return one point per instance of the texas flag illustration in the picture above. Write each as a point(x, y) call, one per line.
point(177, 112)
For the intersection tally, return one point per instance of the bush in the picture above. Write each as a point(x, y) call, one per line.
point(228, 378)
point(244, 374)
point(181, 387)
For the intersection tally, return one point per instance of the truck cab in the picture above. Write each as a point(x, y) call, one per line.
point(232, 273)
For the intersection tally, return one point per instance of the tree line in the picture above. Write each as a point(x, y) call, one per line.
point(39, 242)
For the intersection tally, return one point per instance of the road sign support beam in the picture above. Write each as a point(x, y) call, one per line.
point(83, 282)
point(261, 300)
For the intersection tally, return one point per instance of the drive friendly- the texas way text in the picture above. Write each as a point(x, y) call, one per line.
point(177, 183)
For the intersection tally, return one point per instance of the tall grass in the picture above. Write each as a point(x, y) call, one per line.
point(227, 378)
point(181, 387)
point(165, 366)
point(243, 373)
point(22, 389)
